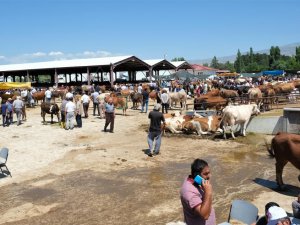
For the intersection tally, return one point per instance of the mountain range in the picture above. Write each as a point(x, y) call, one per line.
point(289, 49)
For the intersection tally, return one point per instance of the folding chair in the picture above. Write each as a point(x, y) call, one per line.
point(243, 211)
point(3, 159)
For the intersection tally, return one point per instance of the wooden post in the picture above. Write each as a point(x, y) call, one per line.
point(88, 76)
point(56, 77)
point(27, 76)
point(111, 75)
point(101, 76)
point(150, 73)
point(3, 77)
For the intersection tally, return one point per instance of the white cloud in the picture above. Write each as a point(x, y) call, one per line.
point(55, 53)
point(2, 57)
point(38, 54)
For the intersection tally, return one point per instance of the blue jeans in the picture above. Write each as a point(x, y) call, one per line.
point(154, 136)
point(145, 103)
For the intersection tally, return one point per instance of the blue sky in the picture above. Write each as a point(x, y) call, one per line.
point(40, 30)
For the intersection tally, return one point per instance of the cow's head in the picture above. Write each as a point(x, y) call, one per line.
point(255, 109)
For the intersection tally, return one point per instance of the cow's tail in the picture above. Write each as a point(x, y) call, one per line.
point(270, 148)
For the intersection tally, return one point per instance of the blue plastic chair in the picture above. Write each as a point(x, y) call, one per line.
point(243, 211)
point(4, 156)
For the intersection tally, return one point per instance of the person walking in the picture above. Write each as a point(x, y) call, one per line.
point(155, 130)
point(48, 96)
point(63, 112)
point(4, 113)
point(109, 115)
point(164, 101)
point(78, 111)
point(85, 102)
point(18, 104)
point(196, 198)
point(145, 100)
point(94, 97)
point(9, 110)
point(70, 114)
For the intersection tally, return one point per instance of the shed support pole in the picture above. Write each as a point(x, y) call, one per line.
point(88, 76)
point(3, 77)
point(56, 77)
point(111, 75)
point(150, 73)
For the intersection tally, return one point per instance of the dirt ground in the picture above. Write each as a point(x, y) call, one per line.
point(85, 176)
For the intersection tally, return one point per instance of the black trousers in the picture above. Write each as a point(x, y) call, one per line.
point(165, 106)
point(96, 106)
point(109, 119)
point(86, 109)
point(78, 120)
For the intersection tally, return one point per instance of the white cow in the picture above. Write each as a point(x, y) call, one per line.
point(178, 97)
point(238, 114)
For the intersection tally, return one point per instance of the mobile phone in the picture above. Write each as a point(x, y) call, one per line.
point(198, 180)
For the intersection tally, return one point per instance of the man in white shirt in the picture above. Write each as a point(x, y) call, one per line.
point(164, 101)
point(85, 99)
point(140, 88)
point(48, 95)
point(70, 114)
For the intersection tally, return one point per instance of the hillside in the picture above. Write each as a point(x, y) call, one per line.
point(285, 50)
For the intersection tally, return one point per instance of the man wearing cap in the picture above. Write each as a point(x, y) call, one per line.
point(17, 107)
point(155, 131)
point(277, 216)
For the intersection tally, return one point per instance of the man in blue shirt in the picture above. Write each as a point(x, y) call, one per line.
point(109, 115)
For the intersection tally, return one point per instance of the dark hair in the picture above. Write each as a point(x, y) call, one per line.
point(197, 166)
point(269, 205)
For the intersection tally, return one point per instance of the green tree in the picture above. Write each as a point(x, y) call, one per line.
point(239, 64)
point(178, 59)
point(214, 63)
point(205, 64)
point(298, 54)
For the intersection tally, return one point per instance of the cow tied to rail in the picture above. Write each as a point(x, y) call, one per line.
point(285, 148)
point(238, 114)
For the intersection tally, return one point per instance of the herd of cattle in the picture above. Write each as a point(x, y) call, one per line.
point(284, 147)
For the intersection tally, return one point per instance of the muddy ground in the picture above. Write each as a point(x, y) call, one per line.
point(85, 176)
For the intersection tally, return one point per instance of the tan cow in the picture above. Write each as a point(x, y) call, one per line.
point(285, 148)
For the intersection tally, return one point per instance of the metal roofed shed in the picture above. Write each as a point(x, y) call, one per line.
point(106, 65)
point(182, 65)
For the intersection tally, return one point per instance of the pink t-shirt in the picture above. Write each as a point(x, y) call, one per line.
point(191, 196)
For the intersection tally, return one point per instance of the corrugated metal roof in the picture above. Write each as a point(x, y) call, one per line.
point(178, 63)
point(63, 63)
point(152, 62)
point(200, 67)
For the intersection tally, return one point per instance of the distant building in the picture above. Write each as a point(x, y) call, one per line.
point(199, 70)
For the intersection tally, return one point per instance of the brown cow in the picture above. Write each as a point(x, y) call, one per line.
point(39, 96)
point(285, 148)
point(229, 94)
point(120, 102)
point(283, 88)
point(47, 108)
point(136, 98)
point(209, 102)
point(207, 124)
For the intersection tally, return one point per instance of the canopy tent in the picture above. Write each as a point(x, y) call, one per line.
point(228, 74)
point(180, 75)
point(251, 74)
point(13, 85)
point(273, 72)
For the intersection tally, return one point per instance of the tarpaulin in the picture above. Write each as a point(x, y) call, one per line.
point(274, 72)
point(13, 85)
